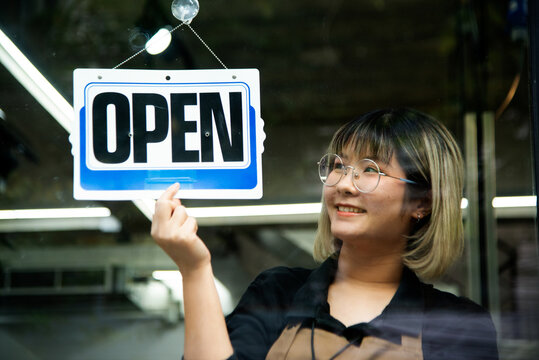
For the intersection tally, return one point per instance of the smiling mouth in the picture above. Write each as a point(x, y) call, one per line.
point(350, 209)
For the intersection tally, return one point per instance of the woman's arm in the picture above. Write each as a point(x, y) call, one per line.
point(206, 335)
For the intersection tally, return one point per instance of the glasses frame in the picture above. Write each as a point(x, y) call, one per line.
point(354, 173)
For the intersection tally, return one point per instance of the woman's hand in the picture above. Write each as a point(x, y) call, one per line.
point(176, 233)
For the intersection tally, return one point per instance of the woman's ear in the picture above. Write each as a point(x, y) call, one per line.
point(422, 205)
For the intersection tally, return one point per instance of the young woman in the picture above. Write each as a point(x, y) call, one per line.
point(391, 216)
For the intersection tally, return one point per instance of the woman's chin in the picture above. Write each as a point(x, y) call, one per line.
point(347, 236)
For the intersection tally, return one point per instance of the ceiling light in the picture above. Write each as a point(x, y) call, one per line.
point(255, 210)
point(95, 212)
point(514, 201)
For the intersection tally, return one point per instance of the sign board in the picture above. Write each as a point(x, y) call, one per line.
point(138, 131)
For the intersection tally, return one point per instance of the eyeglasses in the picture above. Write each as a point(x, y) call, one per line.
point(365, 176)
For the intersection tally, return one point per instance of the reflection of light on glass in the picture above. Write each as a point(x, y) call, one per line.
point(514, 201)
point(30, 77)
point(255, 210)
point(173, 280)
point(95, 212)
point(159, 42)
point(167, 276)
point(137, 39)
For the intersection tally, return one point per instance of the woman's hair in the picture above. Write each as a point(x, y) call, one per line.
point(429, 155)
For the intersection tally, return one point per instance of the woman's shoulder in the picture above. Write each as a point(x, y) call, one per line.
point(456, 327)
point(270, 295)
point(282, 277)
point(443, 301)
point(258, 319)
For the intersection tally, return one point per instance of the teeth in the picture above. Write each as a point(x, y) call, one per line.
point(350, 209)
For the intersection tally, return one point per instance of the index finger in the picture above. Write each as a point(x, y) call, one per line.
point(170, 192)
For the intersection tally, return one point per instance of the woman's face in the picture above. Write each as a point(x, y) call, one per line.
point(379, 219)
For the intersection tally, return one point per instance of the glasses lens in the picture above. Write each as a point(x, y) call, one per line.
point(330, 169)
point(367, 175)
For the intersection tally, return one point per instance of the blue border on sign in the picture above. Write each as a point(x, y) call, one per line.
point(158, 179)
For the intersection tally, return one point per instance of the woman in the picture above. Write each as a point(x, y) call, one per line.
point(391, 215)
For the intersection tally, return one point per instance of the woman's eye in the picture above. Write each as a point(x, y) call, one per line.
point(338, 166)
point(370, 169)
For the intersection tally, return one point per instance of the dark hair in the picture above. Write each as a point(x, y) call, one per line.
point(429, 155)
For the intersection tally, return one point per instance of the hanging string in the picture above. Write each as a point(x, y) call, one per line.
point(170, 32)
point(206, 45)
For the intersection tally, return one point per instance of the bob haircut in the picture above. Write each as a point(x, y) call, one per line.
point(429, 155)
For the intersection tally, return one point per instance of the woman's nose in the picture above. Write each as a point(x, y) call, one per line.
point(346, 183)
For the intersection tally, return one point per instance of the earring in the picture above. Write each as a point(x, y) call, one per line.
point(418, 217)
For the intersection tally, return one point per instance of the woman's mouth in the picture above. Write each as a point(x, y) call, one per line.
point(350, 209)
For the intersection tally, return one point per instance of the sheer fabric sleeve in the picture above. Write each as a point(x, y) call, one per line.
point(258, 319)
point(460, 330)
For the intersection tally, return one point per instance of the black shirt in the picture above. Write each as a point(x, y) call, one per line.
point(451, 327)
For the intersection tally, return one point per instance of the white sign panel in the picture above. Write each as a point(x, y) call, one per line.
point(139, 131)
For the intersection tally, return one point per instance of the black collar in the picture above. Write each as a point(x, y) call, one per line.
point(402, 316)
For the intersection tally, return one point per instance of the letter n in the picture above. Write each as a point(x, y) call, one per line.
point(231, 142)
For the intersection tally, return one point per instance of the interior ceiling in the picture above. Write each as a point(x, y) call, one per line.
point(321, 63)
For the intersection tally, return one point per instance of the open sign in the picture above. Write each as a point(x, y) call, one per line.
point(138, 131)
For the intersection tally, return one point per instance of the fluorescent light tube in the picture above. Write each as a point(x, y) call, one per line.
point(36, 84)
point(514, 201)
point(95, 212)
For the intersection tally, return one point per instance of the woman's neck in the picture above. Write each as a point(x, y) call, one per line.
point(363, 286)
point(364, 268)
